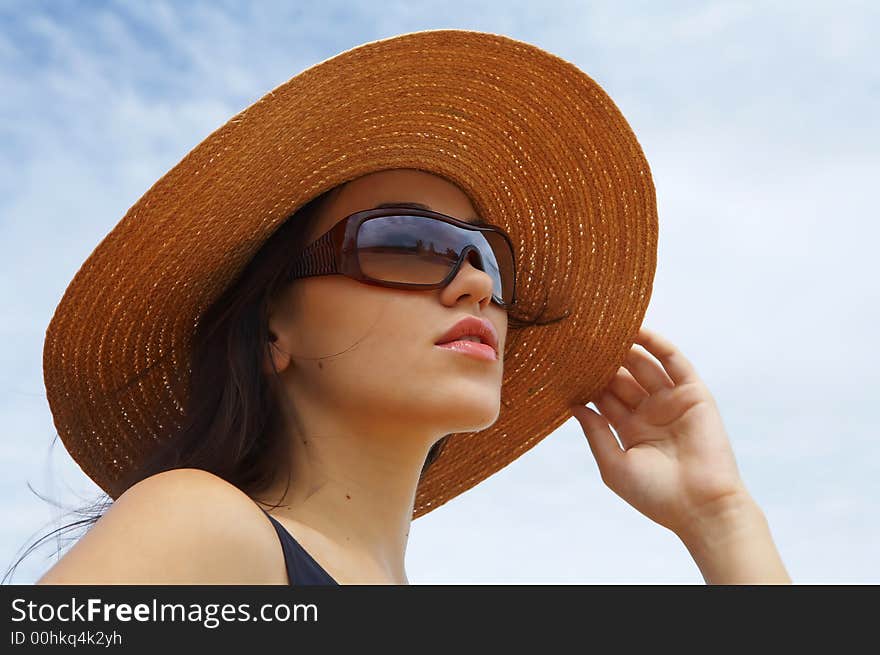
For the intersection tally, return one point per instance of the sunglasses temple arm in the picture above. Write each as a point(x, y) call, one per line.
point(319, 258)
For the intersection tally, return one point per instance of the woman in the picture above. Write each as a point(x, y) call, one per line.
point(320, 400)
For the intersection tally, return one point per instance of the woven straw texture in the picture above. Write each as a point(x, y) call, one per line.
point(537, 145)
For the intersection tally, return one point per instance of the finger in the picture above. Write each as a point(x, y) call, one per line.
point(612, 408)
point(676, 365)
point(616, 412)
point(606, 450)
point(625, 387)
point(646, 371)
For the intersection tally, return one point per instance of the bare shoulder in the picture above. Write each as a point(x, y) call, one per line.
point(185, 526)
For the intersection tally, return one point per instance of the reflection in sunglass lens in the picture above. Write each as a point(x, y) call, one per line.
point(421, 250)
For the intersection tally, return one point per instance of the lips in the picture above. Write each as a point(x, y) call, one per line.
point(471, 326)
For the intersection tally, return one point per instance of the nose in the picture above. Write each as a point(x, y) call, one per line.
point(470, 281)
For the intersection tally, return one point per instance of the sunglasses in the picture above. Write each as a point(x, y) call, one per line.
point(410, 249)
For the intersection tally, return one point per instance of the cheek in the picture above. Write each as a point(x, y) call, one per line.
point(364, 346)
point(328, 315)
point(356, 329)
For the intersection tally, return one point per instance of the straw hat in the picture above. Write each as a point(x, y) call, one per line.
point(537, 145)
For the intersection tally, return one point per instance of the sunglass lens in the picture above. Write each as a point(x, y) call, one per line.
point(421, 250)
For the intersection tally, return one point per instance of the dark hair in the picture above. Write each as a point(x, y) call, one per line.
point(231, 426)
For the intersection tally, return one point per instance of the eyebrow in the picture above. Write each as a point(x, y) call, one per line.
point(472, 219)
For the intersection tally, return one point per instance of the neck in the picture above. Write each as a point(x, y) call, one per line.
point(357, 492)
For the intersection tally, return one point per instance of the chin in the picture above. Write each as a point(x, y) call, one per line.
point(475, 417)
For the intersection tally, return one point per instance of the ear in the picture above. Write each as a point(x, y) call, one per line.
point(275, 355)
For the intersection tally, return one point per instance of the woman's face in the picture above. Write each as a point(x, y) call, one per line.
point(363, 357)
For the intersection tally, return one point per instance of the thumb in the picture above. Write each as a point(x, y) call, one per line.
point(603, 443)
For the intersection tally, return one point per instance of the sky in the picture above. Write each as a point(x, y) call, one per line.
point(760, 123)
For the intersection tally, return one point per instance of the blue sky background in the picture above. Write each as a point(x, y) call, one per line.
point(760, 122)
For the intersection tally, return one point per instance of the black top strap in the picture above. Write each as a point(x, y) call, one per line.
point(302, 569)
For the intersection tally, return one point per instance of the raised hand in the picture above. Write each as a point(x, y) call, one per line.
point(676, 466)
